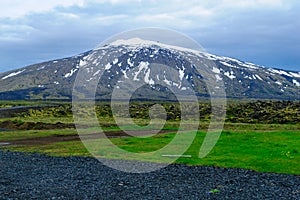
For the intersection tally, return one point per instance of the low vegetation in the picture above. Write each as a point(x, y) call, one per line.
point(263, 112)
point(259, 135)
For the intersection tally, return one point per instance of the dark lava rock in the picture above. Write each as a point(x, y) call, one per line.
point(34, 176)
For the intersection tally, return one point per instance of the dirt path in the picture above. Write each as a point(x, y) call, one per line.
point(75, 137)
point(20, 125)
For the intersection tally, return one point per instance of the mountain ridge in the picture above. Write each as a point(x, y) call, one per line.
point(55, 79)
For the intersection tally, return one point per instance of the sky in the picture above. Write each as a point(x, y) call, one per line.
point(264, 32)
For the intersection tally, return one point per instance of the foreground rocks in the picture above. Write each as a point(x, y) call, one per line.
point(33, 176)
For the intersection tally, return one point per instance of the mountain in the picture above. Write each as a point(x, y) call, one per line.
point(133, 60)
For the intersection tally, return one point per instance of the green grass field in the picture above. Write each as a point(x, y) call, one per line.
point(258, 146)
point(261, 150)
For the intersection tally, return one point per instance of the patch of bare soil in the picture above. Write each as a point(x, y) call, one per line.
point(75, 137)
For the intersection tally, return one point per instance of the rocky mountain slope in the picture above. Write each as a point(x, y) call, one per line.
point(133, 60)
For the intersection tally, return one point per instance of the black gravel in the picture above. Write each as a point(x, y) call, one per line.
point(34, 176)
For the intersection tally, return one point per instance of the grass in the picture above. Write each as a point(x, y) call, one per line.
point(259, 147)
point(263, 151)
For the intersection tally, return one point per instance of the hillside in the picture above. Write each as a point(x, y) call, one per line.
point(133, 59)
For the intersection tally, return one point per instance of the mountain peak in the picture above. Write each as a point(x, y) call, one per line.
point(134, 42)
point(141, 43)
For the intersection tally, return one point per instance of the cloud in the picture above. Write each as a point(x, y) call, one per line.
point(18, 8)
point(12, 32)
point(69, 15)
point(110, 19)
point(250, 4)
point(241, 28)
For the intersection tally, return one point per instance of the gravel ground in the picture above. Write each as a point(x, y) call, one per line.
point(24, 176)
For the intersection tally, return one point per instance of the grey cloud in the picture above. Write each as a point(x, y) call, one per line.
point(263, 36)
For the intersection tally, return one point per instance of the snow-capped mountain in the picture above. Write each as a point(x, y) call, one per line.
point(133, 60)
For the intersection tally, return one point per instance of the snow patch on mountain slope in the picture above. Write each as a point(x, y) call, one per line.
point(68, 75)
point(218, 77)
point(97, 72)
point(257, 76)
point(216, 70)
point(131, 64)
point(296, 75)
point(142, 66)
point(167, 81)
point(296, 83)
point(276, 71)
point(230, 75)
point(147, 78)
point(181, 73)
point(229, 65)
point(124, 74)
point(116, 61)
point(108, 66)
point(13, 74)
point(82, 63)
point(40, 68)
point(282, 72)
point(249, 65)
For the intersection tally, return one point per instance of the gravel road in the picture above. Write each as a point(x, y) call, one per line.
point(33, 176)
